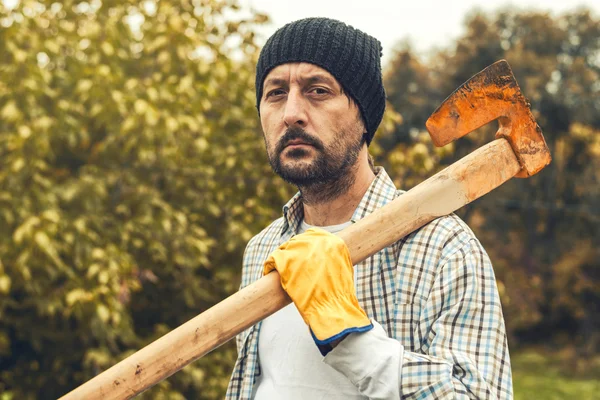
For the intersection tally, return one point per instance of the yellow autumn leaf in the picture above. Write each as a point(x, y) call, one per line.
point(18, 165)
point(20, 56)
point(107, 48)
point(51, 215)
point(151, 116)
point(98, 253)
point(84, 85)
point(43, 123)
point(152, 94)
point(96, 109)
point(24, 131)
point(104, 70)
point(5, 283)
point(131, 83)
point(52, 46)
point(45, 244)
point(10, 112)
point(157, 43)
point(78, 296)
point(163, 57)
point(172, 124)
point(103, 312)
point(93, 270)
point(129, 124)
point(140, 106)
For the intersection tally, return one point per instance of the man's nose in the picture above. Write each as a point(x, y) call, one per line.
point(295, 109)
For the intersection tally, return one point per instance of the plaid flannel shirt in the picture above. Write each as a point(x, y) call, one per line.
point(434, 291)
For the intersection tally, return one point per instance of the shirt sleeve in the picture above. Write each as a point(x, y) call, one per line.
point(462, 352)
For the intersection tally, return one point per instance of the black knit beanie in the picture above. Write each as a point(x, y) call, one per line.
point(351, 56)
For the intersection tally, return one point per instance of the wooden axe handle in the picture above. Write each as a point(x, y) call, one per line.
point(464, 181)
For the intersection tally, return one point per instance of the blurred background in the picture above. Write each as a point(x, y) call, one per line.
point(133, 173)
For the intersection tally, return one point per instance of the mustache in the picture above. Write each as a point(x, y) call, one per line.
point(297, 133)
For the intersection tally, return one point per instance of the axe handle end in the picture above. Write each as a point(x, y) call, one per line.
point(188, 342)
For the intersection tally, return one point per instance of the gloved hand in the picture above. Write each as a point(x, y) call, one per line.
point(317, 273)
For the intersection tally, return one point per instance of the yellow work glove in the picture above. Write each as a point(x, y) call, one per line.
point(316, 272)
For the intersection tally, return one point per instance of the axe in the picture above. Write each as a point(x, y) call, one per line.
point(519, 150)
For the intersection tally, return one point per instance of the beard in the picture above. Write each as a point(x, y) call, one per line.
point(329, 174)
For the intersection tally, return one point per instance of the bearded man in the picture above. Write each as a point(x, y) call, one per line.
point(419, 319)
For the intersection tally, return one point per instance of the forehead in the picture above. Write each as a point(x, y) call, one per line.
point(299, 71)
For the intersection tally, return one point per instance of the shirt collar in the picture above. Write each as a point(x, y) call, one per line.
point(381, 191)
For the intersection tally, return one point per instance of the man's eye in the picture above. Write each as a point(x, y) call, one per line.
point(275, 92)
point(320, 91)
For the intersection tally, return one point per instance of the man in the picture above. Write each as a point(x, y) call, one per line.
point(421, 318)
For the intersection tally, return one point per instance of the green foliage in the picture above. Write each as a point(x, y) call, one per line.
point(542, 233)
point(132, 175)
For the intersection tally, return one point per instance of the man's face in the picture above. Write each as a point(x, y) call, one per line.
point(313, 132)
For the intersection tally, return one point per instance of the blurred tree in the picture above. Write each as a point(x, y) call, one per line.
point(132, 175)
point(543, 234)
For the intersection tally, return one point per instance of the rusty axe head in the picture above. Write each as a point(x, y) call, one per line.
point(489, 95)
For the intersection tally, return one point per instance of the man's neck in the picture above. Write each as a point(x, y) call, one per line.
point(339, 208)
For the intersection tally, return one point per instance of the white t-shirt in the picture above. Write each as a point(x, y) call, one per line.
point(292, 367)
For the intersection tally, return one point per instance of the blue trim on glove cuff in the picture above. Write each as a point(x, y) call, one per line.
point(325, 345)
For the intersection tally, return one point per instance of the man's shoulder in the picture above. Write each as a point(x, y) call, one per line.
point(449, 226)
point(258, 249)
point(445, 230)
point(269, 235)
point(440, 238)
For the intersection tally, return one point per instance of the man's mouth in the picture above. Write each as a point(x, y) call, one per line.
point(297, 142)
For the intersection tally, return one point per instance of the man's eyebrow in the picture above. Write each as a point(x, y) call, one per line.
point(310, 80)
point(275, 82)
point(320, 79)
